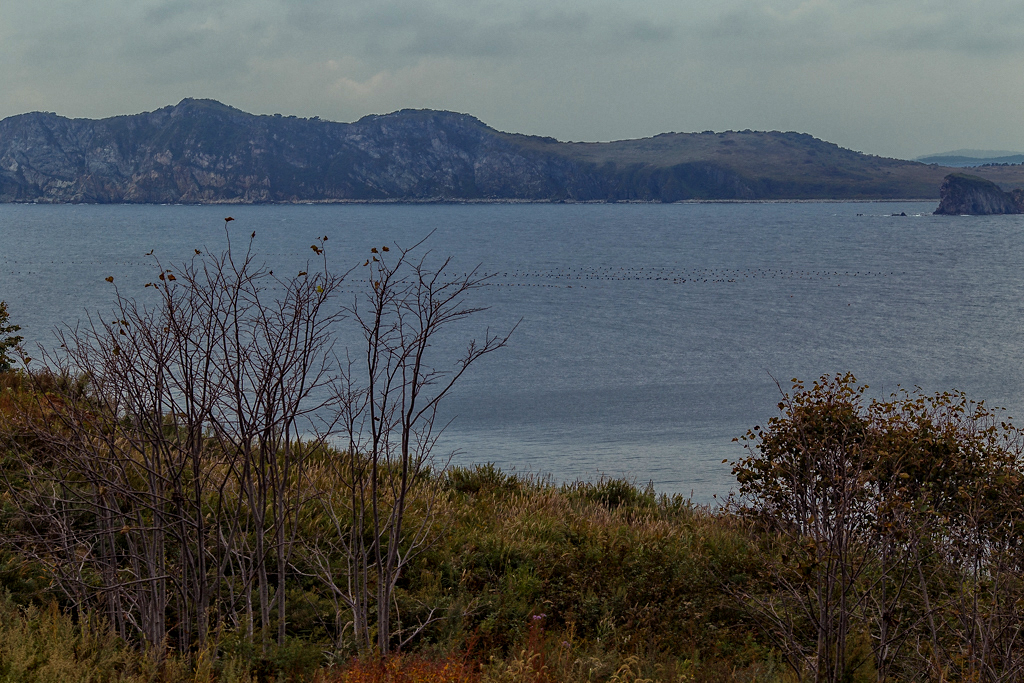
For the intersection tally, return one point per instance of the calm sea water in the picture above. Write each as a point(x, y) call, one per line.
point(650, 334)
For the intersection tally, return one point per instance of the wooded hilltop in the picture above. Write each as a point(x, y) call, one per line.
point(202, 151)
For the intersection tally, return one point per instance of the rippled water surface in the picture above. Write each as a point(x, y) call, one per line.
point(650, 334)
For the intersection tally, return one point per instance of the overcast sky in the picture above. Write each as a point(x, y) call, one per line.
point(892, 77)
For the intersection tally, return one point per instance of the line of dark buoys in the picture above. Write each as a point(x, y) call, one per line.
point(568, 277)
point(673, 275)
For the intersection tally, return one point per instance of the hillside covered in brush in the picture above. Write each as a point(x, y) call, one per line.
point(201, 151)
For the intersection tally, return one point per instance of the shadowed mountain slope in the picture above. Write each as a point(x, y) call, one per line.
point(203, 151)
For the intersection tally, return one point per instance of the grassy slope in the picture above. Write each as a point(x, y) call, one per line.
point(1007, 177)
point(778, 164)
point(538, 583)
point(534, 583)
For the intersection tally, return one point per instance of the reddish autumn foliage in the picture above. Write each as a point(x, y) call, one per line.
point(403, 669)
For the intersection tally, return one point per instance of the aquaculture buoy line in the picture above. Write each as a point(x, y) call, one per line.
point(566, 277)
point(562, 277)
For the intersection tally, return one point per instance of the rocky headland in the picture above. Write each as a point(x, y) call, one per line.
point(202, 151)
point(962, 194)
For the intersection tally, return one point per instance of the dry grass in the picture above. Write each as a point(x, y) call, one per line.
point(44, 645)
point(596, 581)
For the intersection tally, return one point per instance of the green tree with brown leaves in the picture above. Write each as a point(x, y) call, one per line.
point(8, 340)
point(892, 534)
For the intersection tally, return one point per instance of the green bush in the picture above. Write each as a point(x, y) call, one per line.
point(41, 644)
point(8, 340)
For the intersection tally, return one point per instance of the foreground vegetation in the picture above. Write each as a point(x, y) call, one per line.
point(200, 489)
point(874, 541)
point(532, 581)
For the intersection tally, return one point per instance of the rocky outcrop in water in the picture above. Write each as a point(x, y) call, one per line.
point(962, 194)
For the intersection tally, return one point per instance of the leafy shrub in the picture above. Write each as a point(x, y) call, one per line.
point(44, 645)
point(477, 478)
point(612, 493)
point(8, 340)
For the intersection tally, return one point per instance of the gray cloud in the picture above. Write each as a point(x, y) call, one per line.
point(960, 27)
point(401, 30)
point(809, 31)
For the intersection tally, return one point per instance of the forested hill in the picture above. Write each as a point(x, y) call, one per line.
point(203, 151)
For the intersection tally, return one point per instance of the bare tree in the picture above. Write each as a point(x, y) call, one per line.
point(389, 403)
point(180, 447)
point(167, 481)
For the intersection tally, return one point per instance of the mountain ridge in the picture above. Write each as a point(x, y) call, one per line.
point(204, 151)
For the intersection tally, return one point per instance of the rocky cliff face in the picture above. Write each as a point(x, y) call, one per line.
point(963, 194)
point(203, 151)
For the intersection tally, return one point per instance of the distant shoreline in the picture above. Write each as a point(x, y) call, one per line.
point(204, 152)
point(479, 201)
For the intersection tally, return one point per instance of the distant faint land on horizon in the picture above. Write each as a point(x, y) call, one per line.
point(967, 158)
point(202, 151)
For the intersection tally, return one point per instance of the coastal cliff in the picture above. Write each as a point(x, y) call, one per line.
point(202, 151)
point(963, 194)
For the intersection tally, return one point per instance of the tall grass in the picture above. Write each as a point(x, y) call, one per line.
point(45, 645)
point(596, 581)
point(522, 580)
point(584, 579)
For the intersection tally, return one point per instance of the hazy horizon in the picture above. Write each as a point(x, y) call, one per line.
point(973, 153)
point(900, 80)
